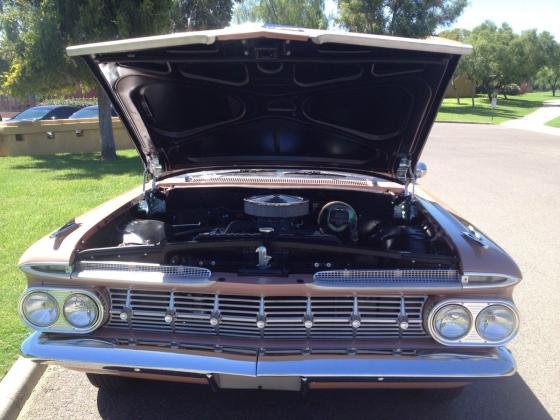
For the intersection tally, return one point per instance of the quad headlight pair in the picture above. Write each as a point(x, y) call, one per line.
point(61, 310)
point(473, 322)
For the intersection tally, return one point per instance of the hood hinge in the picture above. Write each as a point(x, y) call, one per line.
point(404, 208)
point(403, 170)
point(154, 167)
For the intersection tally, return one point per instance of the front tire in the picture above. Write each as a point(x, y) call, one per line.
point(109, 382)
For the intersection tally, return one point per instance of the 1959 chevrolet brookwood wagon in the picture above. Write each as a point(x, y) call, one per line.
point(277, 242)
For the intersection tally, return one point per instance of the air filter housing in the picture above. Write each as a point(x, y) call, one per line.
point(276, 206)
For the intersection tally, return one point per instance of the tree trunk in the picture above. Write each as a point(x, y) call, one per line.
point(473, 92)
point(456, 91)
point(108, 151)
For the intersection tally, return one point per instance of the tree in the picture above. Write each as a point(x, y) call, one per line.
point(102, 20)
point(302, 13)
point(549, 74)
point(410, 18)
point(35, 33)
point(550, 78)
point(463, 68)
point(200, 14)
point(502, 58)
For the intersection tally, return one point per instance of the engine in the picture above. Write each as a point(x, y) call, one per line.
point(250, 231)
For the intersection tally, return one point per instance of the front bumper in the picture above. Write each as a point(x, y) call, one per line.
point(260, 370)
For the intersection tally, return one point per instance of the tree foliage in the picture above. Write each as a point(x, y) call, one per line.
point(410, 18)
point(302, 13)
point(200, 14)
point(549, 74)
point(502, 58)
point(35, 33)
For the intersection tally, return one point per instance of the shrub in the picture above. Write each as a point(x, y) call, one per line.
point(511, 89)
point(81, 102)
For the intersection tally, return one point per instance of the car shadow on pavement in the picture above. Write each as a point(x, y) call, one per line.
point(510, 398)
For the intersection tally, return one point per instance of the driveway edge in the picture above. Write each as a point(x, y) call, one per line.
point(464, 122)
point(17, 385)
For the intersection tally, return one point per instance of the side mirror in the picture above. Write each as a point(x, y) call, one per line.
point(421, 170)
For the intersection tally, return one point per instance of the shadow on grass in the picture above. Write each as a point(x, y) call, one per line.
point(509, 398)
point(83, 166)
point(506, 107)
point(479, 111)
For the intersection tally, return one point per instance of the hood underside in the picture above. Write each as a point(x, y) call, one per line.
point(275, 98)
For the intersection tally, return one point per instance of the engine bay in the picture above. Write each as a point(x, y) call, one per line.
point(256, 231)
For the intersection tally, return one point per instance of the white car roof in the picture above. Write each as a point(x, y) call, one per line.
point(438, 45)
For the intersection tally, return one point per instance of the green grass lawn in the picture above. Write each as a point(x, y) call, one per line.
point(507, 109)
point(37, 195)
point(554, 123)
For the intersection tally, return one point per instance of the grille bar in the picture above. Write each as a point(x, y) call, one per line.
point(267, 317)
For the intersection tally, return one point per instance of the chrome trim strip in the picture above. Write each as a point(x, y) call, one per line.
point(507, 280)
point(472, 338)
point(33, 269)
point(88, 354)
point(61, 325)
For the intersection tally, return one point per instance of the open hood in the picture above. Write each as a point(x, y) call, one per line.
point(276, 97)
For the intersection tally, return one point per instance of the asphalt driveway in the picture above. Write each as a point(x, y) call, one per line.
point(505, 181)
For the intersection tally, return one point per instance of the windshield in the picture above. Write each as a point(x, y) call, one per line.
point(89, 112)
point(35, 113)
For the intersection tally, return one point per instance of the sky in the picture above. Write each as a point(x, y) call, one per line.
point(543, 15)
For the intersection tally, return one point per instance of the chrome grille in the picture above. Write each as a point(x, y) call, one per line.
point(368, 278)
point(280, 316)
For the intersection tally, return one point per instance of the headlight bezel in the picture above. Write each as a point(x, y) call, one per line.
point(474, 307)
point(515, 322)
point(80, 296)
point(60, 295)
point(25, 314)
point(443, 307)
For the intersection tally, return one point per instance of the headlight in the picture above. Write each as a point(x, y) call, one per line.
point(40, 309)
point(80, 310)
point(496, 323)
point(452, 322)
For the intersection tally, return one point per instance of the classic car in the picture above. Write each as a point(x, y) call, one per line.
point(45, 112)
point(277, 240)
point(91, 111)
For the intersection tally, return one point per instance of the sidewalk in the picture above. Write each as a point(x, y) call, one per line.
point(536, 121)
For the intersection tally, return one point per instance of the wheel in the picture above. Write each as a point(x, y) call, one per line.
point(443, 394)
point(109, 382)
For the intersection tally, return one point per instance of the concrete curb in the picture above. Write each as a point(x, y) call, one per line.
point(17, 385)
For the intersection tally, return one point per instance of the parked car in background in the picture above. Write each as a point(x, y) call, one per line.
point(91, 111)
point(46, 112)
point(280, 243)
